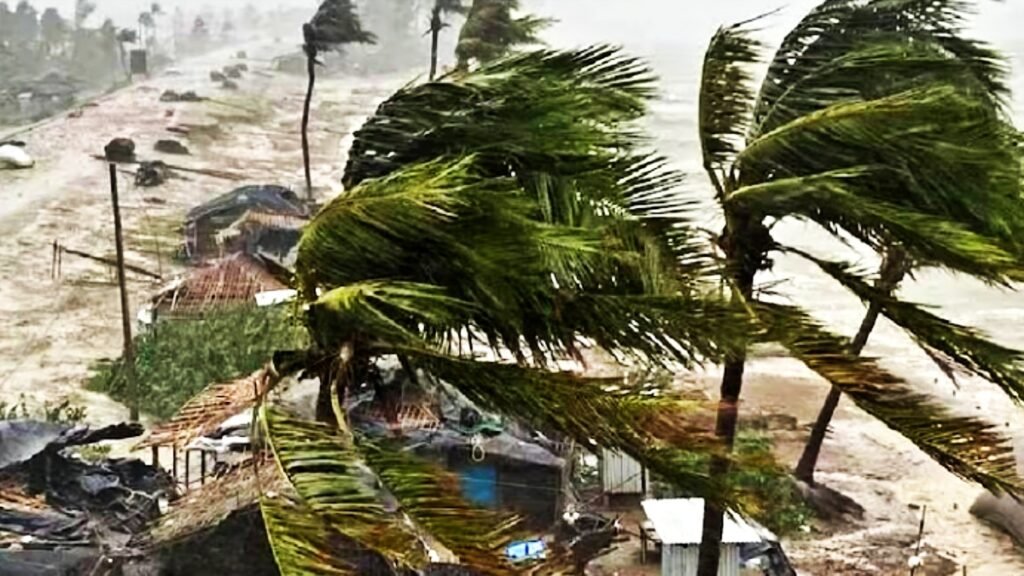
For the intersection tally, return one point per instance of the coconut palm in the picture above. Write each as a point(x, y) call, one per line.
point(482, 234)
point(491, 31)
point(879, 122)
point(437, 23)
point(334, 24)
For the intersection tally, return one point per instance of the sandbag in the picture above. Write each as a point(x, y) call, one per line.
point(12, 156)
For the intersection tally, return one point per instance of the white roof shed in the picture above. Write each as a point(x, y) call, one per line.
point(678, 524)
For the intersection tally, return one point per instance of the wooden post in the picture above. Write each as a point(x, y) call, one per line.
point(187, 469)
point(126, 321)
point(920, 537)
point(156, 456)
point(202, 467)
point(174, 463)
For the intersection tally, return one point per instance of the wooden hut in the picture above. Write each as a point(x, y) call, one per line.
point(678, 525)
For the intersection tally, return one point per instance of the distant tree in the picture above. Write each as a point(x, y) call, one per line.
point(437, 23)
point(125, 36)
point(491, 31)
point(334, 24)
point(53, 32)
point(83, 9)
point(25, 31)
point(6, 24)
point(146, 27)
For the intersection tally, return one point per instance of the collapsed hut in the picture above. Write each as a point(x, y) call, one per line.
point(229, 282)
point(280, 206)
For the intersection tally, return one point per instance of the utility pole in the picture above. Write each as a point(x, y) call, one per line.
point(126, 320)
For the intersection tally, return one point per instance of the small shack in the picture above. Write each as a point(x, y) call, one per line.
point(257, 232)
point(621, 475)
point(678, 525)
point(204, 223)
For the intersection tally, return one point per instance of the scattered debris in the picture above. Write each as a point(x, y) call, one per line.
point(171, 147)
point(242, 67)
point(62, 512)
point(229, 85)
point(13, 155)
point(151, 174)
point(172, 96)
point(232, 72)
point(217, 76)
point(120, 150)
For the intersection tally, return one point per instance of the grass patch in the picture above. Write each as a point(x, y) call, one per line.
point(181, 357)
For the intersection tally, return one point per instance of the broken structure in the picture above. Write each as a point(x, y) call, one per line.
point(205, 222)
point(232, 281)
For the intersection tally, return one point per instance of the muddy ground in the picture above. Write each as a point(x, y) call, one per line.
point(54, 328)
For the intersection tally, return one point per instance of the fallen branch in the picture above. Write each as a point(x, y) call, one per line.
point(223, 174)
point(109, 262)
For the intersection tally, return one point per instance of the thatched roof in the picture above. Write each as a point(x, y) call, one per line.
point(206, 411)
point(234, 280)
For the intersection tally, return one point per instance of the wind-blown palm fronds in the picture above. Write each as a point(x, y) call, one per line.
point(877, 120)
point(491, 31)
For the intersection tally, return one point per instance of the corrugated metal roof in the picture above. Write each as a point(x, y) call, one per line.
point(681, 521)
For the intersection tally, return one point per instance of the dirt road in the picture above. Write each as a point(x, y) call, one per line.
point(54, 329)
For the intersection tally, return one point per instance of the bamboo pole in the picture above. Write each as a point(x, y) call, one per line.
point(126, 323)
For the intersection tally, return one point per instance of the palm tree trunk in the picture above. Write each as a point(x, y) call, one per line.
point(892, 271)
point(434, 34)
point(728, 406)
point(311, 71)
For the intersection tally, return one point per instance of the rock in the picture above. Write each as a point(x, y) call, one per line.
point(229, 85)
point(242, 67)
point(170, 147)
point(217, 76)
point(232, 72)
point(241, 55)
point(829, 505)
point(120, 150)
point(151, 174)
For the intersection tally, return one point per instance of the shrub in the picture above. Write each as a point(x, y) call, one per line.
point(181, 357)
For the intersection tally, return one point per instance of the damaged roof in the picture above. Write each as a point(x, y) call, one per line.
point(234, 280)
point(266, 198)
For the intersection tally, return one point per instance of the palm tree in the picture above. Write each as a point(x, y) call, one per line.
point(334, 24)
point(126, 36)
point(480, 233)
point(491, 31)
point(998, 364)
point(437, 23)
point(876, 120)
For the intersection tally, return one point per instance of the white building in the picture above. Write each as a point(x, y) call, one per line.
point(678, 524)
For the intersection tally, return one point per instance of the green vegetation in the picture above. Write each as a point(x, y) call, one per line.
point(181, 357)
point(764, 488)
point(63, 411)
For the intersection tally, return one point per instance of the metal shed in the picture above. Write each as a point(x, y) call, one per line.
point(621, 474)
point(679, 524)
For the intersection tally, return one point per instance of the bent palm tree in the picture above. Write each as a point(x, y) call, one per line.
point(491, 31)
point(877, 122)
point(334, 24)
point(437, 23)
point(483, 231)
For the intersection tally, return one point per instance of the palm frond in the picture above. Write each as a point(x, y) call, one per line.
point(336, 23)
point(639, 419)
point(328, 477)
point(726, 99)
point(805, 73)
point(304, 543)
point(430, 495)
point(964, 347)
point(841, 199)
point(491, 31)
point(968, 447)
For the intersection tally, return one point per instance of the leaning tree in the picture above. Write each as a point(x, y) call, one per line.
point(492, 31)
point(334, 24)
point(876, 121)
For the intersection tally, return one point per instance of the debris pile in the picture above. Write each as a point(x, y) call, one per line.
point(61, 512)
point(151, 174)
